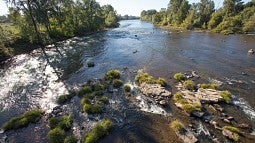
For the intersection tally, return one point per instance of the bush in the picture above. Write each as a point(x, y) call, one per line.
point(226, 96)
point(189, 84)
point(56, 135)
point(177, 126)
point(70, 139)
point(179, 77)
point(162, 82)
point(32, 116)
point(65, 123)
point(117, 83)
point(209, 86)
point(100, 130)
point(144, 77)
point(112, 74)
point(234, 130)
point(92, 109)
point(127, 88)
point(85, 90)
point(64, 98)
point(90, 64)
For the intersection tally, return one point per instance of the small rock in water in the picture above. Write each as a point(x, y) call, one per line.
point(251, 51)
point(162, 102)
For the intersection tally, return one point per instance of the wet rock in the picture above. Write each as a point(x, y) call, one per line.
point(135, 51)
point(218, 107)
point(227, 121)
point(245, 126)
point(215, 125)
point(251, 52)
point(1, 131)
point(162, 102)
point(230, 118)
point(211, 107)
point(229, 134)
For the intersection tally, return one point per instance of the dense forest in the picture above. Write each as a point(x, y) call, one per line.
point(42, 22)
point(233, 17)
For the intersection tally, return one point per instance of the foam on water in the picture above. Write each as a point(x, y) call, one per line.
point(247, 109)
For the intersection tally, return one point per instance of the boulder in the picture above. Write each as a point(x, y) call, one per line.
point(251, 51)
point(154, 90)
point(162, 102)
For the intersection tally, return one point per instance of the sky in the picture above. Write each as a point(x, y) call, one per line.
point(130, 7)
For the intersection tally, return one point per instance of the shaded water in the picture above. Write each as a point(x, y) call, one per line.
point(28, 81)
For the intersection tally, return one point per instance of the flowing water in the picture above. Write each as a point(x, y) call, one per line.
point(33, 81)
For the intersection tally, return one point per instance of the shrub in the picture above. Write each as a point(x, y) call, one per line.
point(92, 109)
point(117, 83)
point(104, 99)
point(100, 130)
point(189, 84)
point(85, 90)
point(70, 139)
point(179, 77)
point(56, 135)
point(226, 96)
point(127, 88)
point(90, 64)
point(64, 98)
point(234, 130)
point(32, 116)
point(177, 126)
point(162, 82)
point(112, 74)
point(65, 122)
point(209, 86)
point(144, 77)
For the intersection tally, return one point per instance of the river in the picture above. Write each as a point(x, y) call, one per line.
point(32, 81)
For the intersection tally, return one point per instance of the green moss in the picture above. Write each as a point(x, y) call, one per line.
point(179, 77)
point(117, 83)
point(90, 64)
point(209, 86)
point(70, 139)
point(226, 96)
point(85, 90)
point(32, 116)
point(189, 84)
point(162, 82)
point(177, 126)
point(112, 74)
point(98, 131)
point(92, 109)
point(65, 98)
point(127, 88)
point(56, 135)
point(144, 77)
point(65, 123)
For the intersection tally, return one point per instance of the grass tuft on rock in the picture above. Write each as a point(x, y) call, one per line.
point(32, 116)
point(162, 82)
point(234, 130)
point(144, 77)
point(209, 86)
point(112, 74)
point(179, 77)
point(177, 126)
point(178, 97)
point(189, 84)
point(100, 130)
point(64, 123)
point(127, 88)
point(85, 90)
point(65, 98)
point(226, 96)
point(117, 83)
point(92, 108)
point(56, 135)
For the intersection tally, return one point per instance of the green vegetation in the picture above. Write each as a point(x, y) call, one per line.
point(127, 88)
point(162, 82)
point(209, 86)
point(65, 98)
point(186, 106)
point(189, 84)
point(85, 90)
point(117, 83)
point(32, 116)
point(146, 78)
point(226, 96)
point(234, 130)
point(177, 126)
point(92, 108)
point(234, 17)
point(90, 64)
point(104, 99)
point(56, 135)
point(65, 123)
point(100, 130)
point(179, 77)
point(112, 74)
point(70, 139)
point(178, 97)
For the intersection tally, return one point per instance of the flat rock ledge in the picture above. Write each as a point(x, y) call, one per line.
point(155, 91)
point(187, 137)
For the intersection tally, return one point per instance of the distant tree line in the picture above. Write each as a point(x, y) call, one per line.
point(233, 17)
point(127, 17)
point(41, 22)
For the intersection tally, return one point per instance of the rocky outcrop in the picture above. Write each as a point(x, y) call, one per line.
point(156, 91)
point(188, 137)
point(209, 95)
